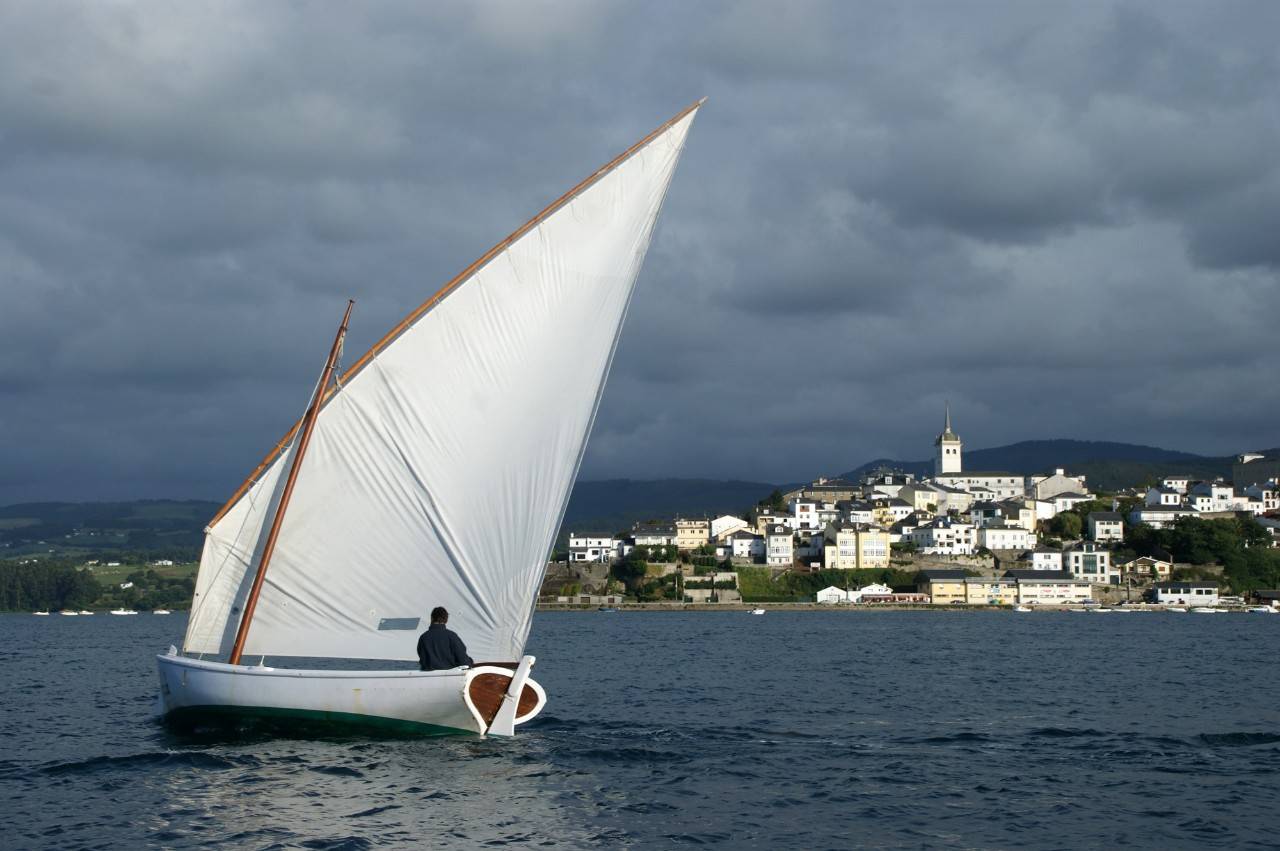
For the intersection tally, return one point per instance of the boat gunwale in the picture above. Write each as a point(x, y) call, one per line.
point(313, 673)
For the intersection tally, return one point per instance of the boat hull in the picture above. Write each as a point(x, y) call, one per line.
point(412, 702)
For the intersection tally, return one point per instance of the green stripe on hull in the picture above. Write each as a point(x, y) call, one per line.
point(300, 720)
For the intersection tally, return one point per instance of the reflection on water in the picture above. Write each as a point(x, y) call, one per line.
point(794, 730)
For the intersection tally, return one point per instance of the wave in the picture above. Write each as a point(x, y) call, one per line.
point(178, 759)
point(1239, 740)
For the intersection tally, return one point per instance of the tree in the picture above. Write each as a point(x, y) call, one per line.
point(774, 501)
point(630, 570)
point(1066, 525)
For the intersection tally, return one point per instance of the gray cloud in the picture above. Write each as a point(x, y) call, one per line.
point(882, 207)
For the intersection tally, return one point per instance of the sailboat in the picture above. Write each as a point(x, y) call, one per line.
point(434, 471)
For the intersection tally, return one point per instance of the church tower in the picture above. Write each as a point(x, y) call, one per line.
point(947, 458)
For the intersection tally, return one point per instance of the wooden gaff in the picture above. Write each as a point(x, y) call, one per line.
point(308, 426)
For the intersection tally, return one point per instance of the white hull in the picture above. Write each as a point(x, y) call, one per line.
point(431, 702)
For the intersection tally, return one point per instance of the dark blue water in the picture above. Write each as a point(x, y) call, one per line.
point(792, 730)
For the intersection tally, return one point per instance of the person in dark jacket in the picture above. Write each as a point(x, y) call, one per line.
point(440, 648)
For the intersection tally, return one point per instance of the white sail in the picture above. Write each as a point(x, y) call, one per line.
point(438, 473)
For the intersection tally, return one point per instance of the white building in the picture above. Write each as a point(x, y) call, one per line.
point(1186, 593)
point(1158, 516)
point(1267, 494)
point(1050, 588)
point(832, 594)
point(984, 485)
point(779, 550)
point(857, 512)
point(1067, 501)
point(653, 536)
point(747, 545)
point(1051, 484)
point(943, 536)
point(805, 513)
point(592, 547)
point(1005, 536)
point(1176, 483)
point(1106, 526)
point(1221, 494)
point(1162, 496)
point(1088, 560)
point(1043, 558)
point(725, 525)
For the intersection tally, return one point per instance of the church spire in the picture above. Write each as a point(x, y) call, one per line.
point(947, 458)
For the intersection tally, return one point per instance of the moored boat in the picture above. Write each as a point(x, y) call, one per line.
point(67, 613)
point(41, 614)
point(438, 435)
point(123, 612)
point(1021, 609)
point(160, 612)
point(757, 611)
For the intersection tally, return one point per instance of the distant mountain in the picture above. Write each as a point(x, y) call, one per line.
point(175, 529)
point(1107, 465)
point(162, 528)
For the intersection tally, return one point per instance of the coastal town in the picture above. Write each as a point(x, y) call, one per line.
point(956, 538)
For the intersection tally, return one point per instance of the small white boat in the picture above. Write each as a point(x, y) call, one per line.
point(161, 612)
point(85, 612)
point(1207, 610)
point(69, 614)
point(1021, 609)
point(1262, 610)
point(123, 612)
point(1099, 609)
point(1181, 610)
point(757, 611)
point(41, 614)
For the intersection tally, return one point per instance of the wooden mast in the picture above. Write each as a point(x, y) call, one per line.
point(308, 424)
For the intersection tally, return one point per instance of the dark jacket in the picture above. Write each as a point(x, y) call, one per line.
point(440, 648)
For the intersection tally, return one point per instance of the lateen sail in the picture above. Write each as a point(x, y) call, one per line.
point(439, 472)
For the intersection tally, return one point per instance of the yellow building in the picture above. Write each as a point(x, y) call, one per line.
point(986, 591)
point(691, 534)
point(944, 586)
point(852, 546)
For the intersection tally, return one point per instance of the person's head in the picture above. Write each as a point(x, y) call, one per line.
point(439, 615)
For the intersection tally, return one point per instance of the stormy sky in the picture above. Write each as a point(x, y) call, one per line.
point(1065, 218)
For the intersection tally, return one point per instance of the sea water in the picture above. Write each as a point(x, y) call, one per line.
point(792, 730)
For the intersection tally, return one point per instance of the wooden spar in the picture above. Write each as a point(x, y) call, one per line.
point(308, 423)
point(450, 286)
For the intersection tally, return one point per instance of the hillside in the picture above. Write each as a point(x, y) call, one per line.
point(159, 528)
point(152, 529)
point(173, 529)
point(1107, 465)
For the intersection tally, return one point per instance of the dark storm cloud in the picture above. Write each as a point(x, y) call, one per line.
point(1062, 219)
